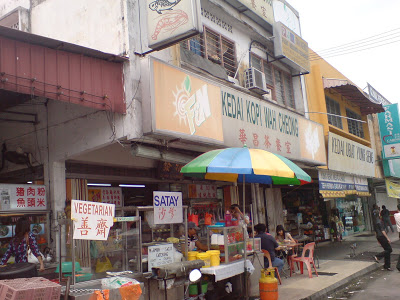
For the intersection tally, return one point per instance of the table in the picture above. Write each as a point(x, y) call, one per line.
point(20, 270)
point(225, 271)
point(287, 247)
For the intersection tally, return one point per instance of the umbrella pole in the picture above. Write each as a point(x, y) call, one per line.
point(244, 237)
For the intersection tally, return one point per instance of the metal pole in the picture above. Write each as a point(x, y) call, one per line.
point(244, 237)
point(73, 254)
point(186, 232)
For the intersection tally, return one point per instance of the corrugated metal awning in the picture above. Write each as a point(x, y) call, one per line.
point(354, 94)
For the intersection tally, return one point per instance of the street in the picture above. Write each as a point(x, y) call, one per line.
point(375, 285)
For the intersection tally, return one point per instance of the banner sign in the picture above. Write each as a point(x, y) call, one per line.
point(391, 167)
point(335, 181)
point(167, 207)
point(376, 97)
point(389, 128)
point(14, 197)
point(292, 47)
point(347, 156)
point(92, 220)
point(160, 255)
point(111, 195)
point(392, 189)
point(170, 21)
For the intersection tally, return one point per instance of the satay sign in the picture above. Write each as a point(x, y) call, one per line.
point(167, 207)
point(92, 220)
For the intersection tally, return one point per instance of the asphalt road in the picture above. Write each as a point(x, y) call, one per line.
point(376, 285)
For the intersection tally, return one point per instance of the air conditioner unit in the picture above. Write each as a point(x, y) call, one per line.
point(255, 81)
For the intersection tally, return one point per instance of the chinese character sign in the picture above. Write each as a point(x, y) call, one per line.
point(202, 191)
point(92, 220)
point(167, 207)
point(22, 197)
point(111, 195)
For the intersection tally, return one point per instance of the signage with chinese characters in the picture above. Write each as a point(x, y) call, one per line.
point(191, 107)
point(292, 47)
point(167, 207)
point(347, 156)
point(168, 170)
point(202, 191)
point(111, 195)
point(389, 128)
point(170, 21)
point(92, 220)
point(22, 197)
point(262, 8)
point(160, 255)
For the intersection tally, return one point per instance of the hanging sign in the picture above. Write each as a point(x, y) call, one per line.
point(389, 128)
point(160, 255)
point(202, 191)
point(111, 195)
point(92, 220)
point(167, 207)
point(22, 197)
point(392, 189)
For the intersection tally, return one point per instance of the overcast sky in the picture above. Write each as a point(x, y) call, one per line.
point(326, 24)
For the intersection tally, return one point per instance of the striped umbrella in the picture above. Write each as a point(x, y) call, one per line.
point(246, 165)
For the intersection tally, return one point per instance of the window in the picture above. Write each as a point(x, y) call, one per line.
point(214, 47)
point(333, 108)
point(279, 81)
point(355, 127)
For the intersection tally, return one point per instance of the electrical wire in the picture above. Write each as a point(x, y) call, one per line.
point(351, 44)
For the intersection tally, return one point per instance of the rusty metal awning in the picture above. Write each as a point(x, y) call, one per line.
point(354, 94)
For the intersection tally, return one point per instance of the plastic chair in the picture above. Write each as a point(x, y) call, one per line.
point(308, 260)
point(268, 256)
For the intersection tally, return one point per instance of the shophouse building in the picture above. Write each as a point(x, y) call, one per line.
point(345, 111)
point(124, 99)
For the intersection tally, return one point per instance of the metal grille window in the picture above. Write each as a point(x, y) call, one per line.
point(277, 80)
point(355, 127)
point(214, 47)
point(333, 107)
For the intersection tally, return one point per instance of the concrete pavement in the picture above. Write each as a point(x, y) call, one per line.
point(336, 268)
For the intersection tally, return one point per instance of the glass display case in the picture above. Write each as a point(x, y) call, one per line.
point(229, 240)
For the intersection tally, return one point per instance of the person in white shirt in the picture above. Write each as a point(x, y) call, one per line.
point(397, 219)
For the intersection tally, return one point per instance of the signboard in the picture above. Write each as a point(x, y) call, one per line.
point(376, 97)
point(183, 104)
point(202, 191)
point(291, 46)
point(160, 255)
point(392, 189)
point(191, 107)
point(14, 197)
point(111, 195)
point(347, 156)
point(262, 8)
point(261, 124)
point(167, 207)
point(389, 128)
point(391, 167)
point(169, 22)
point(169, 170)
point(337, 184)
point(284, 12)
point(92, 220)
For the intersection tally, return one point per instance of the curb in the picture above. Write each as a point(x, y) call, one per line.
point(342, 283)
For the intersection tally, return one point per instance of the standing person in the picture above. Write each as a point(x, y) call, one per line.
point(19, 244)
point(270, 244)
point(238, 215)
point(385, 214)
point(382, 238)
point(397, 219)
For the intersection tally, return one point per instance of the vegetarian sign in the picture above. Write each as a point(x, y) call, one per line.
point(167, 207)
point(93, 220)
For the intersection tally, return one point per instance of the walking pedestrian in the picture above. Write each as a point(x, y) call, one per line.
point(382, 238)
point(397, 219)
point(385, 214)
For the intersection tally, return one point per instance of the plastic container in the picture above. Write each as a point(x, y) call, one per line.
point(192, 255)
point(79, 277)
point(228, 219)
point(206, 258)
point(66, 267)
point(214, 257)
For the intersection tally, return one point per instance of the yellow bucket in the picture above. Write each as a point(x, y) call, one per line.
point(206, 258)
point(214, 257)
point(192, 255)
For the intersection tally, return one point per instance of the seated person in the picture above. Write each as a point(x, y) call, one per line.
point(282, 238)
point(270, 244)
